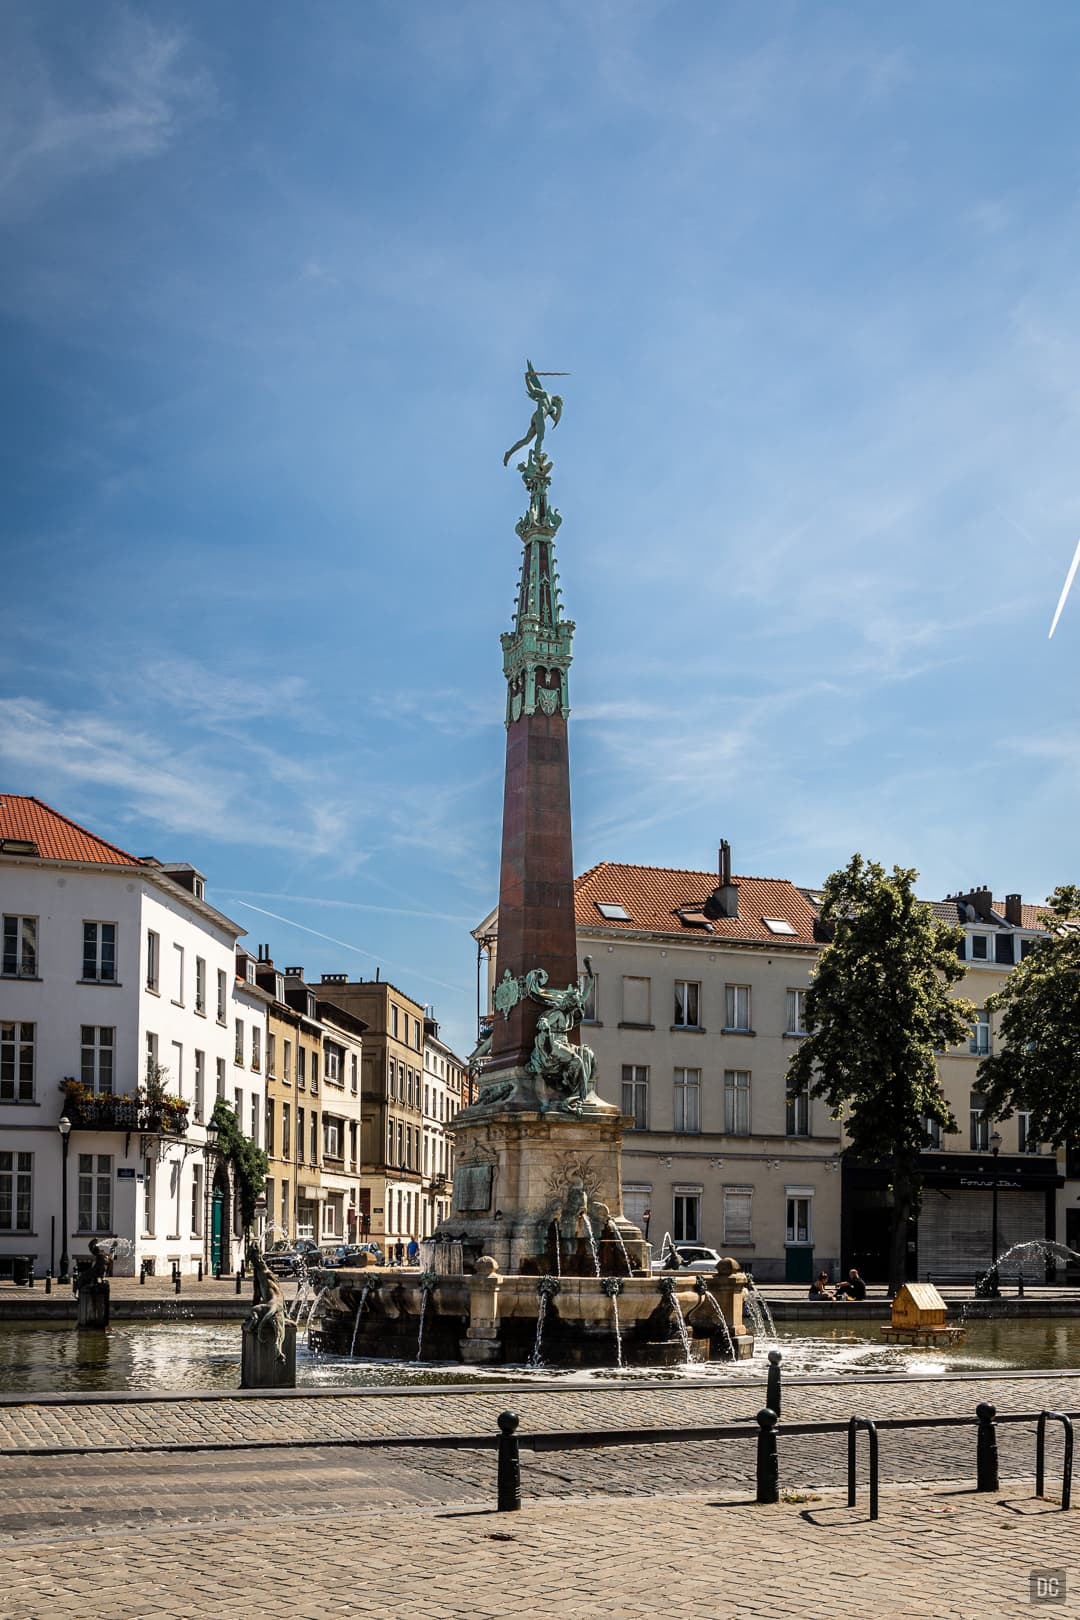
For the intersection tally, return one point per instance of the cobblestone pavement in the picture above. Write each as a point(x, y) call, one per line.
point(149, 1423)
point(935, 1552)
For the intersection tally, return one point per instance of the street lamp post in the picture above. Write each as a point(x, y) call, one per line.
point(65, 1263)
point(993, 1288)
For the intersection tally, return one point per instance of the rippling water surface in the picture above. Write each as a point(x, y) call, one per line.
point(182, 1354)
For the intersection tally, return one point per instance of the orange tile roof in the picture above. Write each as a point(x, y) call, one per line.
point(57, 838)
point(655, 895)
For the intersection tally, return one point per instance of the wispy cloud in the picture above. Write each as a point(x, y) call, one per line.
point(128, 87)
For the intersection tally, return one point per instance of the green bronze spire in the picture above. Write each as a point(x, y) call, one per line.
point(536, 653)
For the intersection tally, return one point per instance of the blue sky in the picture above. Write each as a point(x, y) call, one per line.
point(268, 276)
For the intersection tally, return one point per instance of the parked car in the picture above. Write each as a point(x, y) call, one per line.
point(287, 1259)
point(687, 1257)
point(348, 1254)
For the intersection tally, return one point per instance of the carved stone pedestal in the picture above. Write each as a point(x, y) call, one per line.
point(259, 1364)
point(93, 1304)
point(529, 1185)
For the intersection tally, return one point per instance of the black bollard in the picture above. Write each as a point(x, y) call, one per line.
point(48, 1282)
point(176, 1282)
point(199, 1278)
point(768, 1464)
point(239, 1280)
point(986, 1451)
point(509, 1463)
point(1020, 1286)
point(30, 1279)
point(772, 1387)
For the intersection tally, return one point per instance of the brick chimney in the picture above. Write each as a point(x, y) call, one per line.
point(724, 899)
point(981, 900)
point(1013, 912)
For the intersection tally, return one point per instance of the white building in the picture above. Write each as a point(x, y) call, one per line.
point(120, 1010)
point(444, 1079)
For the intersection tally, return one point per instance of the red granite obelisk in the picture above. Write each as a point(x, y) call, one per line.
point(536, 883)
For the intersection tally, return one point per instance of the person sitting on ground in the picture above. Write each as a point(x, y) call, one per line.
point(854, 1288)
point(819, 1288)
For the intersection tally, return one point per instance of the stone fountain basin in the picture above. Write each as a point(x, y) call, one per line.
point(581, 1300)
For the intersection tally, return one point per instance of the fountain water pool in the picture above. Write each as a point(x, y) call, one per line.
point(198, 1355)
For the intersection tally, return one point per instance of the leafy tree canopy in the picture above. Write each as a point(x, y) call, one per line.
point(1037, 1065)
point(878, 1010)
point(248, 1161)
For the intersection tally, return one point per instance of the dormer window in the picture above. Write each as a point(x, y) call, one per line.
point(980, 951)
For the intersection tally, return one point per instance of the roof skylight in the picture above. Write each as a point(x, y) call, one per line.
point(612, 912)
point(778, 925)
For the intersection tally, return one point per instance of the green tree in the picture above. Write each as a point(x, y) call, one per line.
point(249, 1163)
point(1037, 1066)
point(877, 1012)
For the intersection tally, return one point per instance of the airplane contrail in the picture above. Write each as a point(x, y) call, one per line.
point(1069, 577)
point(290, 922)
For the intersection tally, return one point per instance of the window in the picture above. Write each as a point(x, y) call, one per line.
point(1026, 947)
point(238, 1107)
point(394, 1023)
point(686, 1215)
point(200, 1083)
point(95, 1192)
point(738, 1206)
point(635, 1095)
point(178, 1068)
point(796, 1013)
point(1004, 949)
point(238, 1043)
point(737, 1102)
point(314, 1137)
point(688, 1101)
point(687, 999)
point(16, 1189)
point(979, 1045)
point(799, 1227)
point(255, 1117)
point(354, 1082)
point(331, 1138)
point(17, 1062)
point(737, 1007)
point(286, 1063)
point(979, 951)
point(611, 911)
point(389, 1141)
point(148, 1197)
point(271, 1053)
point(20, 947)
point(587, 986)
point(1028, 1143)
point(196, 1200)
point(332, 1063)
point(200, 984)
point(314, 1071)
point(798, 1113)
point(932, 1127)
point(400, 1143)
point(778, 925)
point(151, 1058)
point(301, 1139)
point(221, 994)
point(178, 975)
point(635, 1000)
point(301, 1066)
point(980, 1127)
point(153, 959)
point(268, 1141)
point(391, 1070)
point(99, 952)
point(286, 1131)
point(256, 1047)
point(221, 1077)
point(96, 1070)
